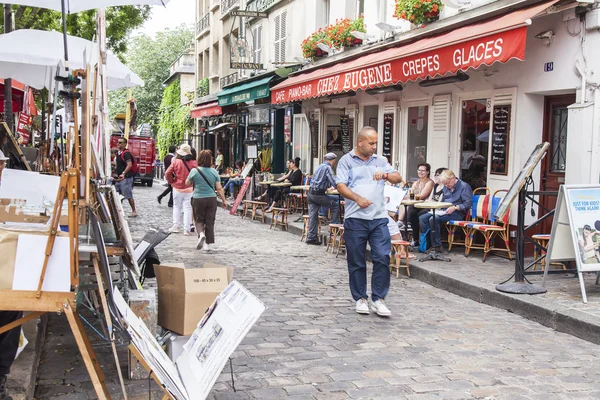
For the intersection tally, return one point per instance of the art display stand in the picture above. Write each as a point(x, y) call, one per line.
point(577, 210)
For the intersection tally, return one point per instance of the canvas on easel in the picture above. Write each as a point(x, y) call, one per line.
point(576, 231)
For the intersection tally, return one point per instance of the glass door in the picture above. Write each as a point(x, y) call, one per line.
point(475, 137)
point(416, 147)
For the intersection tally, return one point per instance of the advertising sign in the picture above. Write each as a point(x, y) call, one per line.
point(403, 66)
point(24, 128)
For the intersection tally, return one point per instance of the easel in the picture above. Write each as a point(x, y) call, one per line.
point(39, 302)
point(140, 358)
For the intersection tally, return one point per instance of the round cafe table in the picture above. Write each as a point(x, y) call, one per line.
point(335, 192)
point(300, 188)
point(433, 206)
point(406, 203)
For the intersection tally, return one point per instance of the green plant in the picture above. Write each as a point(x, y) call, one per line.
point(418, 11)
point(174, 119)
point(335, 36)
point(265, 159)
point(203, 87)
point(309, 45)
point(340, 32)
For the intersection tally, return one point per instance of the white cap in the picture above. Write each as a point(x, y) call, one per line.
point(3, 157)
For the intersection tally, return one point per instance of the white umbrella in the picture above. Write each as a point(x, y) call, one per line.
point(31, 56)
point(75, 6)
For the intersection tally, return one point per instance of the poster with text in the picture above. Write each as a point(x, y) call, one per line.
point(584, 215)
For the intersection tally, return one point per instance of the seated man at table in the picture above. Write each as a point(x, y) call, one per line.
point(321, 181)
point(235, 180)
point(456, 192)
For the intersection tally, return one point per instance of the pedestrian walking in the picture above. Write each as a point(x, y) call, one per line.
point(204, 199)
point(124, 174)
point(322, 180)
point(167, 163)
point(177, 175)
point(361, 177)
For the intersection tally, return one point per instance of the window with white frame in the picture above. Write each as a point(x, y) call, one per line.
point(257, 44)
point(280, 37)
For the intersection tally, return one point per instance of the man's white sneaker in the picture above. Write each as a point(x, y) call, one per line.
point(201, 240)
point(205, 248)
point(379, 307)
point(362, 306)
point(175, 229)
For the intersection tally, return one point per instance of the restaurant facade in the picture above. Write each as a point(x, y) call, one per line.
point(476, 97)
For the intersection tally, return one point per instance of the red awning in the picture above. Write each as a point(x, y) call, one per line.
point(18, 95)
point(206, 110)
point(484, 43)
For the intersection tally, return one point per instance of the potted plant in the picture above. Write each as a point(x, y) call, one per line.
point(418, 12)
point(340, 33)
point(309, 45)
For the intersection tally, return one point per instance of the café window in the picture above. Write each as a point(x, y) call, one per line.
point(475, 138)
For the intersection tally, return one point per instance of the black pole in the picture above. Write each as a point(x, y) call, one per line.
point(64, 26)
point(8, 115)
point(520, 256)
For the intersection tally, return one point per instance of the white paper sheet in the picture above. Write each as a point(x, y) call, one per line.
point(393, 197)
point(30, 260)
point(31, 186)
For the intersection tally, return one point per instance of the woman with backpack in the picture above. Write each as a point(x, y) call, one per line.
point(207, 184)
point(176, 175)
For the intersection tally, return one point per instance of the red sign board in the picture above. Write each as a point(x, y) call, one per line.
point(206, 111)
point(498, 47)
point(24, 127)
point(240, 195)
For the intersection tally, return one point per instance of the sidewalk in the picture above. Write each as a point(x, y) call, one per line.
point(561, 308)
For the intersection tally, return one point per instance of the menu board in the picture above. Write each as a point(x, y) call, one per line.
point(314, 135)
point(500, 139)
point(346, 140)
point(388, 124)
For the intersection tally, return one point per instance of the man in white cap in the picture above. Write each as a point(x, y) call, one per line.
point(322, 180)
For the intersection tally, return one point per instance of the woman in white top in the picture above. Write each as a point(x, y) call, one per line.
point(421, 188)
point(436, 194)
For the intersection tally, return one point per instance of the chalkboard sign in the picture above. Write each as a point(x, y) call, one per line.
point(346, 139)
point(388, 123)
point(500, 139)
point(314, 135)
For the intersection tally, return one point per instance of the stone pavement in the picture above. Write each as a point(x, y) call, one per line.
point(310, 344)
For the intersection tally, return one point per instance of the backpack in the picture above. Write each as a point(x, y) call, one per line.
point(134, 165)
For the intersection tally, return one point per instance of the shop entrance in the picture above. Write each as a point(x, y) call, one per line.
point(475, 137)
point(333, 134)
point(553, 166)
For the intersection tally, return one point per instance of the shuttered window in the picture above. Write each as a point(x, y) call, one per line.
point(257, 44)
point(280, 36)
point(439, 148)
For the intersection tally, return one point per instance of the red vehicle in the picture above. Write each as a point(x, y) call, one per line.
point(143, 149)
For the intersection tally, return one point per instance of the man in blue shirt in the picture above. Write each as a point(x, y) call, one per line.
point(458, 193)
point(361, 176)
point(322, 180)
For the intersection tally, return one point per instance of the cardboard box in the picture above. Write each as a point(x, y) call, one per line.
point(184, 294)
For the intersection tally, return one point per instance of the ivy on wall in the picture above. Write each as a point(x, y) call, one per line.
point(174, 119)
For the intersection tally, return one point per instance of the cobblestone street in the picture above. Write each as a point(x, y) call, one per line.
point(310, 344)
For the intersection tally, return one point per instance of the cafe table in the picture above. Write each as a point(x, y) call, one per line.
point(301, 188)
point(267, 184)
point(335, 192)
point(406, 203)
point(433, 206)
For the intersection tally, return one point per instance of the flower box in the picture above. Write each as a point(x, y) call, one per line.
point(418, 12)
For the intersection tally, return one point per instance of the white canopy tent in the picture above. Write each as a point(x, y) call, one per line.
point(32, 56)
point(75, 6)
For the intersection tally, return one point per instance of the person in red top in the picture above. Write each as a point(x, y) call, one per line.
point(176, 175)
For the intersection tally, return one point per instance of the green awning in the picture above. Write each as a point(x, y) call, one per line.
point(246, 92)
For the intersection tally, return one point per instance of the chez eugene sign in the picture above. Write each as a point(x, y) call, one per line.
point(499, 47)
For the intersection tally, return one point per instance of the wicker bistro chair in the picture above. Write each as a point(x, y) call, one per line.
point(294, 199)
point(477, 214)
point(495, 229)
